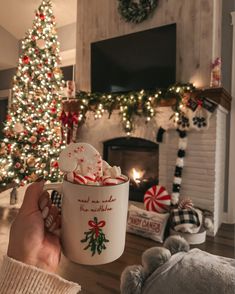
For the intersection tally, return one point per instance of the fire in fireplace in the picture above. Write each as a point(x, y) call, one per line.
point(138, 158)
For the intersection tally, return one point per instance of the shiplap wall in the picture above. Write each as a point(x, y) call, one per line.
point(198, 34)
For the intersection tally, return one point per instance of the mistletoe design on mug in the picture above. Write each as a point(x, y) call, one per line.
point(95, 237)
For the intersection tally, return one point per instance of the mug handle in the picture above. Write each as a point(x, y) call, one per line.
point(53, 186)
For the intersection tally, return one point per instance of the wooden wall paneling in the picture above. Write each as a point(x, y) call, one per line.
point(99, 20)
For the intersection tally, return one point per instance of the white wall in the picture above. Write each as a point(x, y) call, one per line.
point(67, 39)
point(9, 49)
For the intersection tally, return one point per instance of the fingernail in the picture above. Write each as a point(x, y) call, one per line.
point(43, 203)
point(40, 179)
point(45, 212)
point(49, 221)
point(51, 229)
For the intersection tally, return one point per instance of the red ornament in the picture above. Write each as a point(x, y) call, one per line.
point(53, 110)
point(55, 164)
point(41, 129)
point(17, 165)
point(42, 16)
point(49, 75)
point(8, 117)
point(26, 59)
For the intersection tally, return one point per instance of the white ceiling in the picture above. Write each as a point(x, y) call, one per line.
point(16, 16)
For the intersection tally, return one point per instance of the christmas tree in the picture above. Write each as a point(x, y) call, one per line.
point(32, 141)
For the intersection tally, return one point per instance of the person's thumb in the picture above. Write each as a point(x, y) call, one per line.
point(31, 197)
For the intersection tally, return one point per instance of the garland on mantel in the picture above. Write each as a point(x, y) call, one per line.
point(142, 103)
point(190, 111)
point(135, 12)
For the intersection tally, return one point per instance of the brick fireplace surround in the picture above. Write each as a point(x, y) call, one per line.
point(203, 178)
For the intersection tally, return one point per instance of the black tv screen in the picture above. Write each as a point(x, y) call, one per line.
point(143, 60)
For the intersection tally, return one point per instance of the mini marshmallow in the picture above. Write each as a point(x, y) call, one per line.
point(113, 172)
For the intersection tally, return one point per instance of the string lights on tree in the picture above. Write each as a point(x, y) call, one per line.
point(32, 131)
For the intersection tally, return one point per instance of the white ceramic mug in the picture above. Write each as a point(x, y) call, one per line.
point(93, 221)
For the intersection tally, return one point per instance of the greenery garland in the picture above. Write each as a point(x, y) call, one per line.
point(136, 12)
point(131, 104)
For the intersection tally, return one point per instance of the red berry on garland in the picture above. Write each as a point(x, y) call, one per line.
point(26, 59)
point(42, 16)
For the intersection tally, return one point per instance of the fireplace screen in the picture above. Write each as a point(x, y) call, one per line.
point(138, 159)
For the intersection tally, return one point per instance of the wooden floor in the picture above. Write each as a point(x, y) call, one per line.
point(105, 279)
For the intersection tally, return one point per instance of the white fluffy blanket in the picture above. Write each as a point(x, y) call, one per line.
point(194, 272)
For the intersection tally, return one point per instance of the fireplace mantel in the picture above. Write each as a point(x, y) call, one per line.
point(218, 95)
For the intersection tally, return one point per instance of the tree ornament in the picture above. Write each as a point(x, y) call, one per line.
point(18, 165)
point(26, 60)
point(40, 128)
point(33, 139)
point(41, 44)
point(18, 128)
point(136, 12)
point(57, 73)
point(95, 237)
point(3, 149)
point(31, 161)
point(157, 199)
point(42, 16)
point(33, 177)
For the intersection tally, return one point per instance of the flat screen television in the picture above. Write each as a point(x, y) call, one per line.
point(143, 60)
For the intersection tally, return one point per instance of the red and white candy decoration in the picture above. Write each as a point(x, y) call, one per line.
point(81, 157)
point(83, 165)
point(185, 203)
point(157, 199)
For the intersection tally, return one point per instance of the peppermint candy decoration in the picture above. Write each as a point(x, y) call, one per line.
point(185, 204)
point(157, 199)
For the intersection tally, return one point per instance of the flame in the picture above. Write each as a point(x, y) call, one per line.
point(137, 174)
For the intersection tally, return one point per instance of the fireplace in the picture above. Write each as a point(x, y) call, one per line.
point(138, 158)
